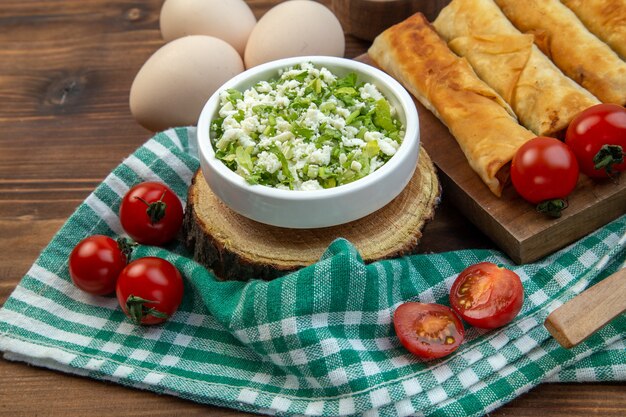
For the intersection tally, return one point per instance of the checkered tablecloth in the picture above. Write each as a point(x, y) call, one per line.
point(319, 341)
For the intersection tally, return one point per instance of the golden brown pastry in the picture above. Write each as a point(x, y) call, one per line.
point(604, 18)
point(480, 120)
point(576, 51)
point(544, 99)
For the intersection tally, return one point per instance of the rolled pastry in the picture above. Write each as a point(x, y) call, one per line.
point(544, 99)
point(482, 123)
point(576, 51)
point(604, 18)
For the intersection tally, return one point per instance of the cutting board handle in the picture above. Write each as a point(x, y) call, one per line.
point(586, 313)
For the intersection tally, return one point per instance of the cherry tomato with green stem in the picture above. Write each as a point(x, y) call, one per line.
point(149, 290)
point(544, 171)
point(96, 262)
point(151, 213)
point(597, 136)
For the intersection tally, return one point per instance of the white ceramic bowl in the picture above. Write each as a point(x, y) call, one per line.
point(316, 208)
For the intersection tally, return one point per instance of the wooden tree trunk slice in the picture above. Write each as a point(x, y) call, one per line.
point(237, 248)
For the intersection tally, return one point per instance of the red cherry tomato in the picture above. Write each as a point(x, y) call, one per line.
point(428, 330)
point(600, 126)
point(544, 171)
point(149, 290)
point(95, 264)
point(486, 295)
point(151, 213)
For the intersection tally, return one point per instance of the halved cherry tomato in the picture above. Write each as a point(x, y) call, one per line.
point(95, 263)
point(598, 138)
point(149, 290)
point(544, 171)
point(151, 213)
point(486, 295)
point(428, 330)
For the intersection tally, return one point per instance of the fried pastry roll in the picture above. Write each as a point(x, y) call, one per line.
point(482, 123)
point(544, 99)
point(567, 42)
point(604, 18)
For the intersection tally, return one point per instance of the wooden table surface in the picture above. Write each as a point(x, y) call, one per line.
point(66, 67)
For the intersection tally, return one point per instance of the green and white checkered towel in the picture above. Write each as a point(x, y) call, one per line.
point(319, 341)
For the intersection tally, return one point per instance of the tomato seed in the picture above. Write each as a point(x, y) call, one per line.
point(449, 340)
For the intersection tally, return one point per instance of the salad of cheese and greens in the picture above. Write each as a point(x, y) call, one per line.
point(306, 130)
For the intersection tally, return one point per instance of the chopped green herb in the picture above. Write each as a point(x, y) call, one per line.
point(382, 116)
point(234, 95)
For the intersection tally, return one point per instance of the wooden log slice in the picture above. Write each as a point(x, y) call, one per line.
point(237, 248)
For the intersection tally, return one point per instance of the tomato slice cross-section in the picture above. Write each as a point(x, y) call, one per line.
point(486, 295)
point(428, 330)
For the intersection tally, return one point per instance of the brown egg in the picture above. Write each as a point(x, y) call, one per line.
point(173, 85)
point(229, 20)
point(295, 28)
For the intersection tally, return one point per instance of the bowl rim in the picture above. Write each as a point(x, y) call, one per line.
point(206, 151)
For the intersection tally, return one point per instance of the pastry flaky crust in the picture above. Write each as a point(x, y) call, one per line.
point(544, 99)
point(604, 18)
point(482, 123)
point(576, 51)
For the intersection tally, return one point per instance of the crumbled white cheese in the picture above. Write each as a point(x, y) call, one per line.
point(338, 123)
point(370, 91)
point(327, 76)
point(250, 124)
point(388, 146)
point(229, 136)
point(320, 156)
point(246, 141)
point(343, 112)
point(269, 161)
point(264, 87)
point(370, 136)
point(311, 185)
point(375, 163)
point(313, 117)
point(230, 123)
point(282, 125)
point(282, 101)
point(227, 109)
point(353, 142)
point(350, 131)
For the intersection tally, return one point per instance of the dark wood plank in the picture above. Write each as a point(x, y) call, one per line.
point(66, 67)
point(35, 391)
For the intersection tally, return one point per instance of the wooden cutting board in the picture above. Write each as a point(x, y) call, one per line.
point(510, 221)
